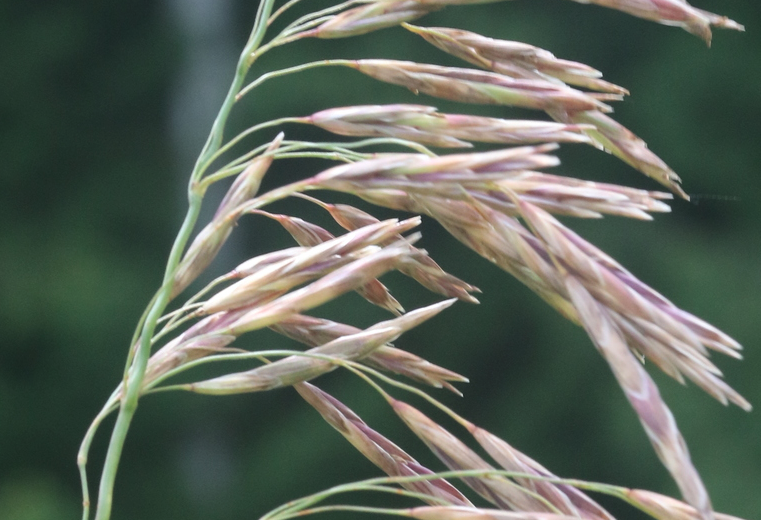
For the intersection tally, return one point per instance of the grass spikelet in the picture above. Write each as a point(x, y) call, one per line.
point(372, 17)
point(662, 507)
point(317, 331)
point(515, 59)
point(347, 278)
point(566, 499)
point(457, 456)
point(309, 263)
point(473, 86)
point(296, 369)
point(621, 142)
point(640, 390)
point(378, 449)
point(672, 12)
point(425, 125)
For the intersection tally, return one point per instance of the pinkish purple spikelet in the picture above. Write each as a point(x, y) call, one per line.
point(672, 12)
point(378, 449)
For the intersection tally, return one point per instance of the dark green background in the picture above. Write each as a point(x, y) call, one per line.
point(93, 163)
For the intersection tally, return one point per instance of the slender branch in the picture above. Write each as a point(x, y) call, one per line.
point(282, 10)
point(175, 322)
point(235, 166)
point(290, 70)
point(245, 133)
point(298, 507)
point(353, 509)
point(345, 149)
point(288, 510)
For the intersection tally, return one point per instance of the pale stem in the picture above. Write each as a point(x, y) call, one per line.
point(282, 10)
point(234, 166)
point(330, 156)
point(337, 153)
point(370, 484)
point(191, 303)
point(353, 509)
point(375, 141)
point(345, 149)
point(174, 323)
point(290, 70)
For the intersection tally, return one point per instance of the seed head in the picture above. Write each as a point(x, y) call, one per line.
point(202, 251)
point(621, 142)
point(308, 264)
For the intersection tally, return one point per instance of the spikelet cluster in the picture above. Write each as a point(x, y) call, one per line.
point(502, 203)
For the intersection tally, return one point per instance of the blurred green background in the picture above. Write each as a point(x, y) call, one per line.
point(103, 107)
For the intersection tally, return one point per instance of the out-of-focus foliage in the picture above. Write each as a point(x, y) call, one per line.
point(92, 194)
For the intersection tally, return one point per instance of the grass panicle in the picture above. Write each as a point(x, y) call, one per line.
point(496, 200)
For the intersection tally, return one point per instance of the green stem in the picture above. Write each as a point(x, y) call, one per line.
point(134, 379)
point(345, 149)
point(330, 156)
point(299, 506)
point(84, 449)
point(174, 323)
point(376, 141)
point(137, 371)
point(289, 509)
point(136, 335)
point(176, 316)
point(244, 63)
